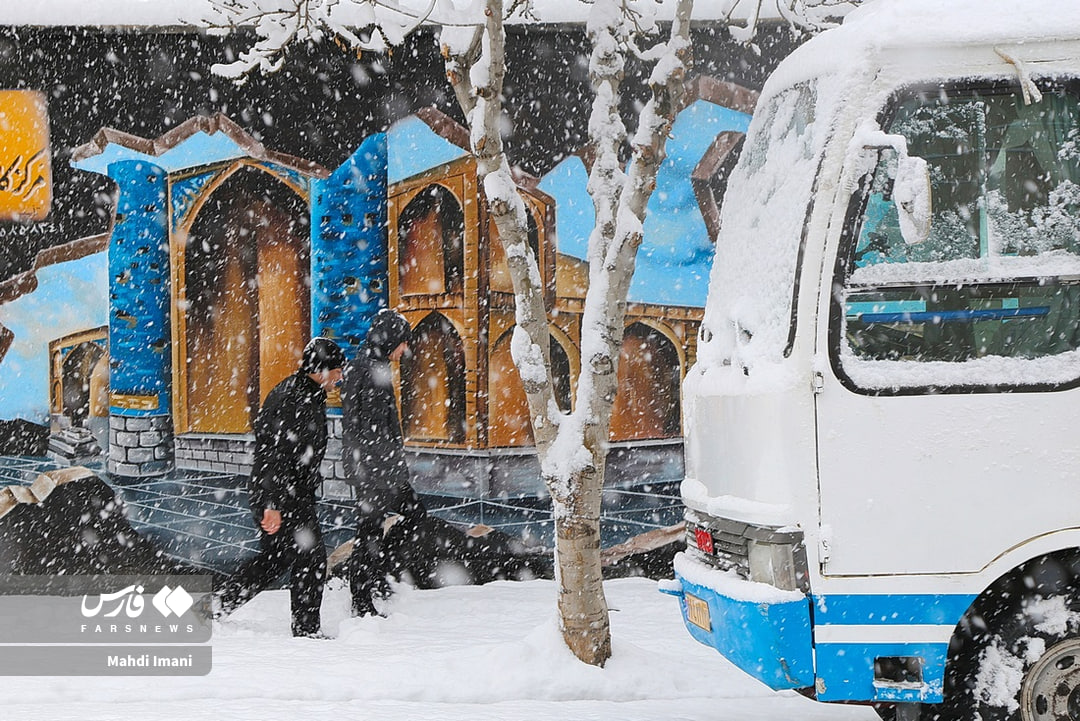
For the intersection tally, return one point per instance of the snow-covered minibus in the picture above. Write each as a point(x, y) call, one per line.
point(882, 482)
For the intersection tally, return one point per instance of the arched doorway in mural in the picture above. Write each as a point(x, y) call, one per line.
point(433, 383)
point(82, 371)
point(508, 409)
point(647, 404)
point(246, 300)
point(431, 236)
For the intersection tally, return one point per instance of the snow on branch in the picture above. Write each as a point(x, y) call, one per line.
point(475, 61)
point(809, 16)
point(373, 25)
point(620, 197)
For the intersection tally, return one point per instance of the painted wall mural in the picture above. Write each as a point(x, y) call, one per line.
point(158, 285)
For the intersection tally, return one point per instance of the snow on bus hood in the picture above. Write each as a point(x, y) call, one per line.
point(777, 515)
point(729, 584)
point(704, 380)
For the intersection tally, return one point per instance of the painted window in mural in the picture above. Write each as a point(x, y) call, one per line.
point(508, 409)
point(25, 158)
point(433, 383)
point(431, 233)
point(647, 404)
point(246, 301)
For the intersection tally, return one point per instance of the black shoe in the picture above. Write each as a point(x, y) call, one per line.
point(364, 607)
point(209, 607)
point(317, 635)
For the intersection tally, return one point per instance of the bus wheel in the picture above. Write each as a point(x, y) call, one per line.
point(1029, 670)
point(1051, 689)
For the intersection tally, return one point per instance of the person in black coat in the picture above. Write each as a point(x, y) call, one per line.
point(290, 441)
point(374, 457)
point(395, 535)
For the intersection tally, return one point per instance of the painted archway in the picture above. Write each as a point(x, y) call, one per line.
point(80, 384)
point(431, 238)
point(433, 383)
point(508, 409)
point(245, 299)
point(647, 404)
point(499, 270)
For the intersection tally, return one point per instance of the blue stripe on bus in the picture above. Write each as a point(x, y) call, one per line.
point(940, 316)
point(890, 609)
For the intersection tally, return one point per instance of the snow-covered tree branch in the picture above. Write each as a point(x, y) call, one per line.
point(475, 66)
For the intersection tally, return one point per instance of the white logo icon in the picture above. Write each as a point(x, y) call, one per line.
point(173, 600)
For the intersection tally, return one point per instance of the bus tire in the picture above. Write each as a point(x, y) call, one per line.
point(1027, 668)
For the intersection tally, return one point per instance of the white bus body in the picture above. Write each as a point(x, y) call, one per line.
point(883, 425)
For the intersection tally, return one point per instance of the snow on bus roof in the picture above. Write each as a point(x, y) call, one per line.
point(881, 26)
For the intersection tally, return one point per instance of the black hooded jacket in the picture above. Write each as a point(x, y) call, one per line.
point(371, 428)
point(290, 441)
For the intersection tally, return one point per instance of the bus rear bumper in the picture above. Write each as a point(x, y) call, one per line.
point(768, 638)
point(867, 648)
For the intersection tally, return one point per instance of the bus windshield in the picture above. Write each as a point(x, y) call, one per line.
point(754, 275)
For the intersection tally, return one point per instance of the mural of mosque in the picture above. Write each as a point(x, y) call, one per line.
point(224, 257)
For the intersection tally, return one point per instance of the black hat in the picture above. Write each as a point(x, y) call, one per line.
point(389, 329)
point(321, 354)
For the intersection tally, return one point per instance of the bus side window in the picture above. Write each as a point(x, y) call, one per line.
point(999, 274)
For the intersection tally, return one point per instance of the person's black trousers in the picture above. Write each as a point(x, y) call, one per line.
point(296, 547)
point(379, 552)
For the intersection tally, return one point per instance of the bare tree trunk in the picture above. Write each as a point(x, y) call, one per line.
point(620, 200)
point(583, 606)
point(573, 448)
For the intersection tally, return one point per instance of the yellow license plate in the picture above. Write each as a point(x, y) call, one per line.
point(697, 612)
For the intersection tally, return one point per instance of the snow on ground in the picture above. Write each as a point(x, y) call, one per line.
point(480, 653)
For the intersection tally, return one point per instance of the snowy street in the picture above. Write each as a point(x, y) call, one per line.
point(461, 652)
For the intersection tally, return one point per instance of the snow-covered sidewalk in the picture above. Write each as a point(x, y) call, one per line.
point(462, 652)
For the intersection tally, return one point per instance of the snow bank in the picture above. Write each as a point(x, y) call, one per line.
point(465, 652)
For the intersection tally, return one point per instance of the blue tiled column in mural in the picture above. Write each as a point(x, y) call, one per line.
point(140, 348)
point(348, 246)
point(348, 266)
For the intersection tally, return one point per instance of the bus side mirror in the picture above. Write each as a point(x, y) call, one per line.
point(911, 193)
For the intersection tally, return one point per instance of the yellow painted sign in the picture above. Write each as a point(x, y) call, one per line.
point(134, 402)
point(25, 161)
